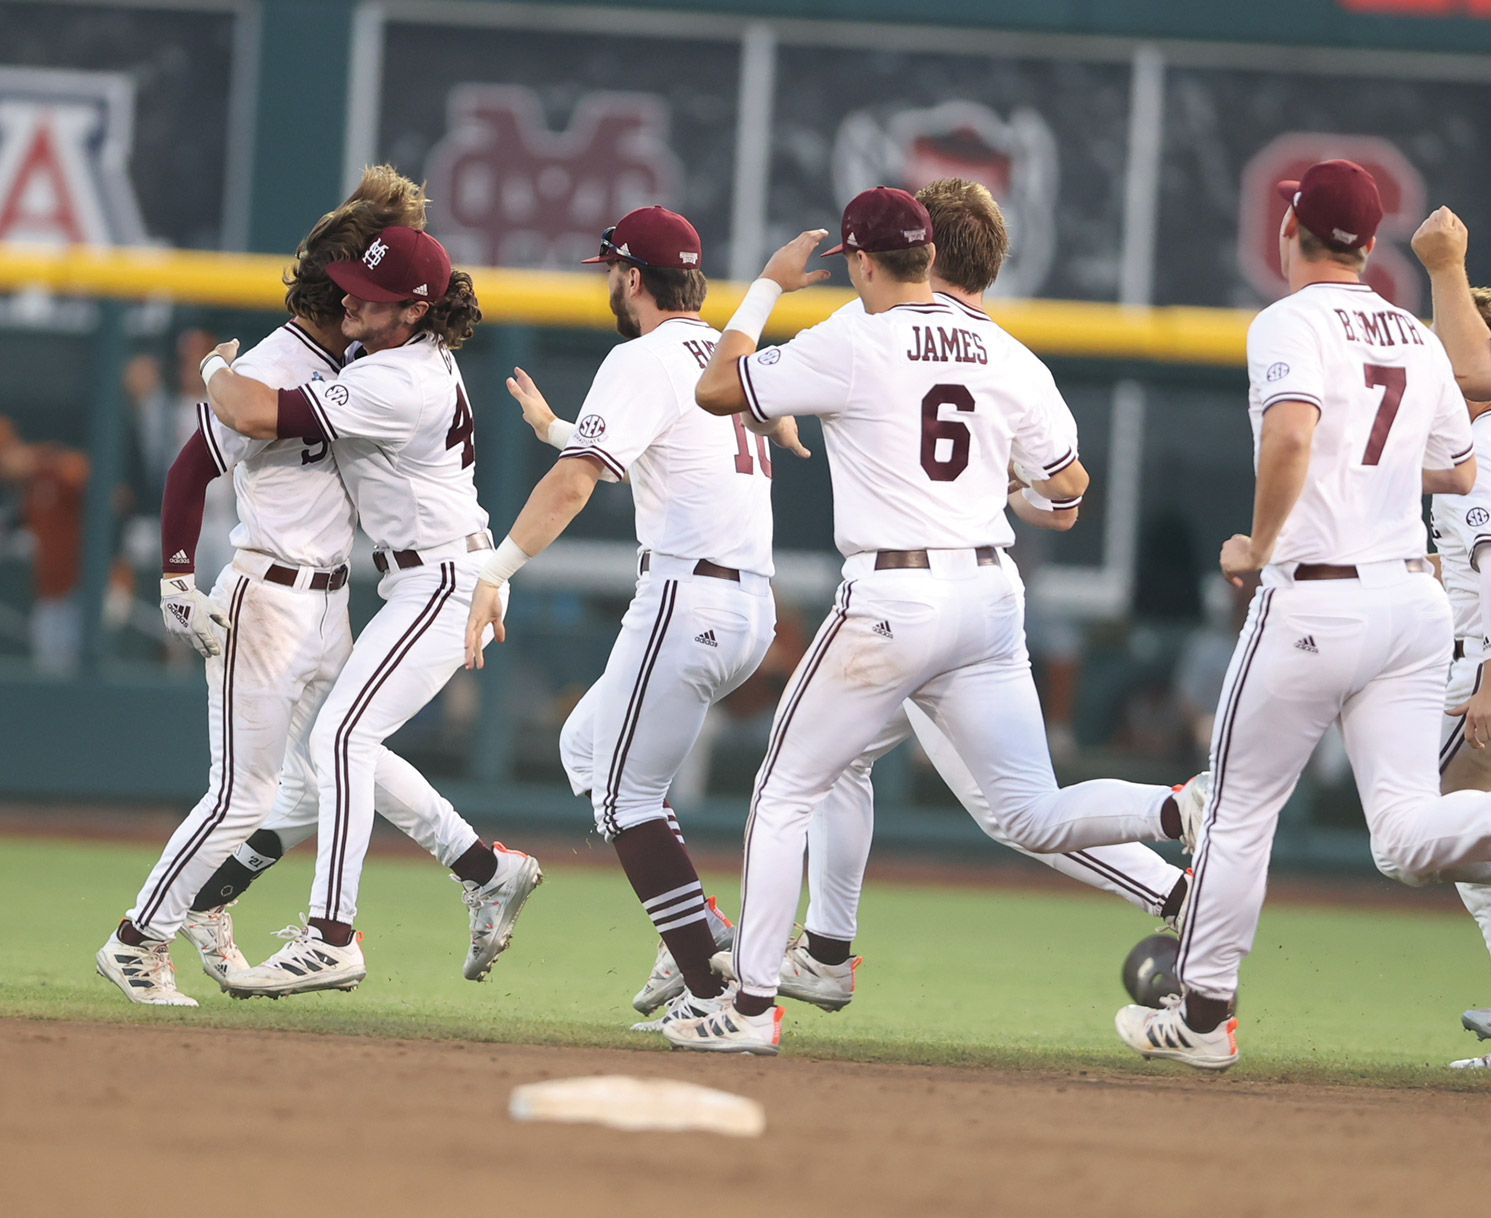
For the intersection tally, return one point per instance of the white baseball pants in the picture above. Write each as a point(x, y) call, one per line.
point(1372, 652)
point(1462, 768)
point(402, 659)
point(686, 641)
point(279, 661)
point(842, 826)
point(951, 639)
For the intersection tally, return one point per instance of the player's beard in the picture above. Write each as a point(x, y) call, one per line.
point(626, 323)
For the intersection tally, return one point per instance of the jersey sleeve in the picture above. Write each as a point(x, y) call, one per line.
point(1451, 440)
point(630, 404)
point(1284, 359)
point(812, 374)
point(1045, 439)
point(369, 401)
point(225, 446)
point(1469, 516)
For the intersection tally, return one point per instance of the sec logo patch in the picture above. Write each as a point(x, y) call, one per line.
point(1277, 371)
point(337, 395)
point(770, 355)
point(592, 427)
point(1476, 517)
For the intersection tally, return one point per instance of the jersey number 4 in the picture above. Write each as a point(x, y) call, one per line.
point(743, 463)
point(462, 430)
point(1393, 382)
point(946, 443)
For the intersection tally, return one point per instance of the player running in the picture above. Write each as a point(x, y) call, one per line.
point(1355, 412)
point(403, 432)
point(703, 616)
point(275, 638)
point(924, 405)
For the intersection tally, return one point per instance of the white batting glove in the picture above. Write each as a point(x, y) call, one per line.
point(190, 614)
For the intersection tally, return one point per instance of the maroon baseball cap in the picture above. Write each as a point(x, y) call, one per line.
point(881, 219)
point(651, 236)
point(1337, 201)
point(399, 264)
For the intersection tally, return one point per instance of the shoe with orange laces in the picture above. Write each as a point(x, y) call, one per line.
point(728, 1031)
point(1165, 1033)
point(1190, 800)
point(665, 982)
point(495, 907)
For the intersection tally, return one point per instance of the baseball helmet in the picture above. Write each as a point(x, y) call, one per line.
point(1149, 970)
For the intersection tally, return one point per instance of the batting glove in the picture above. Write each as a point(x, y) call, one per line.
point(190, 615)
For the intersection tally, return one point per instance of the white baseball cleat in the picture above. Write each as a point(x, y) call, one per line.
point(495, 907)
point(728, 1031)
point(665, 982)
point(828, 986)
point(685, 1006)
point(1477, 1020)
point(1190, 799)
point(1165, 1033)
point(145, 973)
point(1472, 1063)
point(210, 931)
point(1178, 922)
point(305, 964)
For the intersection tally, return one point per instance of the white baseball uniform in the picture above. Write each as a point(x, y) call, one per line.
point(284, 649)
point(403, 433)
point(923, 407)
point(842, 826)
point(1462, 526)
point(702, 489)
point(1370, 650)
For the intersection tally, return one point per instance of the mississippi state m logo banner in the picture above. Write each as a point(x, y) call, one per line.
point(65, 141)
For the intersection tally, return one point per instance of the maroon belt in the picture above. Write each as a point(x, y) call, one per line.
point(321, 581)
point(403, 559)
point(702, 567)
point(1325, 570)
point(919, 560)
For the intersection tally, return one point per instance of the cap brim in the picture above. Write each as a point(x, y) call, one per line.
point(1287, 191)
point(353, 279)
point(601, 258)
point(838, 249)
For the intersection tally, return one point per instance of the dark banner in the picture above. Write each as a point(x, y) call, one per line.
point(113, 124)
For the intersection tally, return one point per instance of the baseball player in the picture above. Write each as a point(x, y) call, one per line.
point(1355, 411)
point(924, 405)
point(287, 635)
point(403, 432)
point(703, 616)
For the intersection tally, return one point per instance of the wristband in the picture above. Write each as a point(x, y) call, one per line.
point(211, 366)
point(751, 314)
point(1038, 500)
point(503, 563)
point(560, 430)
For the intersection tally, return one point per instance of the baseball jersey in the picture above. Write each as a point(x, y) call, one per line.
point(405, 444)
point(1389, 408)
point(701, 483)
point(291, 501)
point(1462, 523)
point(923, 406)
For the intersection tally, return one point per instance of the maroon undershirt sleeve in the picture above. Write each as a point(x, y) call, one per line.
point(182, 506)
point(296, 418)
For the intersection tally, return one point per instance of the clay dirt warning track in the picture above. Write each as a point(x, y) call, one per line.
point(126, 1121)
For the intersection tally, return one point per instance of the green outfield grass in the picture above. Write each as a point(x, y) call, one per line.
point(952, 975)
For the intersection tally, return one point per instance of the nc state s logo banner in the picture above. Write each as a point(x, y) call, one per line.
point(1392, 272)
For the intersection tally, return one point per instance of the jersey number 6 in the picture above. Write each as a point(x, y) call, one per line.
point(940, 467)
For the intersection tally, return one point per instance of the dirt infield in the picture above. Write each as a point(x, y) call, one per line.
point(172, 1121)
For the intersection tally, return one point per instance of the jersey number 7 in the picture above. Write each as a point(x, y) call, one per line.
point(1393, 382)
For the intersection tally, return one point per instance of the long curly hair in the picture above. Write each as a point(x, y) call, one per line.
point(384, 197)
point(454, 317)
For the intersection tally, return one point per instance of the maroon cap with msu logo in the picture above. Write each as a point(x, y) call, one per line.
point(1337, 201)
point(882, 219)
point(399, 264)
point(651, 236)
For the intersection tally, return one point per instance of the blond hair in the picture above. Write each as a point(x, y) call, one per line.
point(968, 229)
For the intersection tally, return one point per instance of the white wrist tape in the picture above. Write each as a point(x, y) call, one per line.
point(503, 563)
point(560, 430)
point(1025, 475)
point(211, 366)
point(750, 317)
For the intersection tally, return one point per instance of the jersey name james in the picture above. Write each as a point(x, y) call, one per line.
point(923, 406)
point(291, 501)
point(701, 484)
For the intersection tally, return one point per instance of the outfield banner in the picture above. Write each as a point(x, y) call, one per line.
point(533, 142)
point(113, 125)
